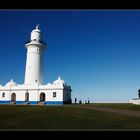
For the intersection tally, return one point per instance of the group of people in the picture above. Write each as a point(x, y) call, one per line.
point(80, 102)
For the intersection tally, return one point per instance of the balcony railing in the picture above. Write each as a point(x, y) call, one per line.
point(29, 41)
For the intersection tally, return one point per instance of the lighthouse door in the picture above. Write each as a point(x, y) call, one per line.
point(26, 96)
point(13, 97)
point(42, 97)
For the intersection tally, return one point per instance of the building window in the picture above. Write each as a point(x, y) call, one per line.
point(3, 94)
point(35, 80)
point(54, 94)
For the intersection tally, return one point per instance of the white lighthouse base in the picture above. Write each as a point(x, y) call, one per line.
point(57, 93)
point(134, 101)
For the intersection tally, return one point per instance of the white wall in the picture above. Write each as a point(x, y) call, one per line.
point(34, 95)
point(6, 98)
point(66, 95)
point(34, 64)
point(134, 101)
point(62, 94)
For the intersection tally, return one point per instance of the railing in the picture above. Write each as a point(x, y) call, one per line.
point(29, 41)
point(135, 98)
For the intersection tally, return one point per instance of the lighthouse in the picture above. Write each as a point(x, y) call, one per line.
point(34, 91)
point(34, 61)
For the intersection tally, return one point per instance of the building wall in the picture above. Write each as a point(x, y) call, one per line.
point(49, 96)
point(137, 102)
point(33, 73)
point(4, 99)
point(67, 96)
point(34, 96)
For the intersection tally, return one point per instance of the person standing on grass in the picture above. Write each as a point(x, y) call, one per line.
point(88, 101)
point(80, 102)
point(75, 100)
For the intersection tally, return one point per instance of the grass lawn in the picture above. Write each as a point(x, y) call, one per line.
point(116, 105)
point(62, 117)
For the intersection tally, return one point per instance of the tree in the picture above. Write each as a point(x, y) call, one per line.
point(139, 93)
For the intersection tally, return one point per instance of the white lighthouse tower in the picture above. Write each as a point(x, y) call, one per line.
point(34, 62)
point(33, 91)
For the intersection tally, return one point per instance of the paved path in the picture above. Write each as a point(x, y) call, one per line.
point(134, 113)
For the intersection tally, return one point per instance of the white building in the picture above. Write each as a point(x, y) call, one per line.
point(33, 91)
point(134, 101)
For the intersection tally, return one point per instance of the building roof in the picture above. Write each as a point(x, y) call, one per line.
point(11, 83)
point(60, 81)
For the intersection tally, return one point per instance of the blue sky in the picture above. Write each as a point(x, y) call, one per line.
point(97, 52)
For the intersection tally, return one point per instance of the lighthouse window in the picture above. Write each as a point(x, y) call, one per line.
point(34, 39)
point(54, 94)
point(3, 94)
point(35, 80)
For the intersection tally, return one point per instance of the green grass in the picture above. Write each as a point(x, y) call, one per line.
point(62, 117)
point(115, 105)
